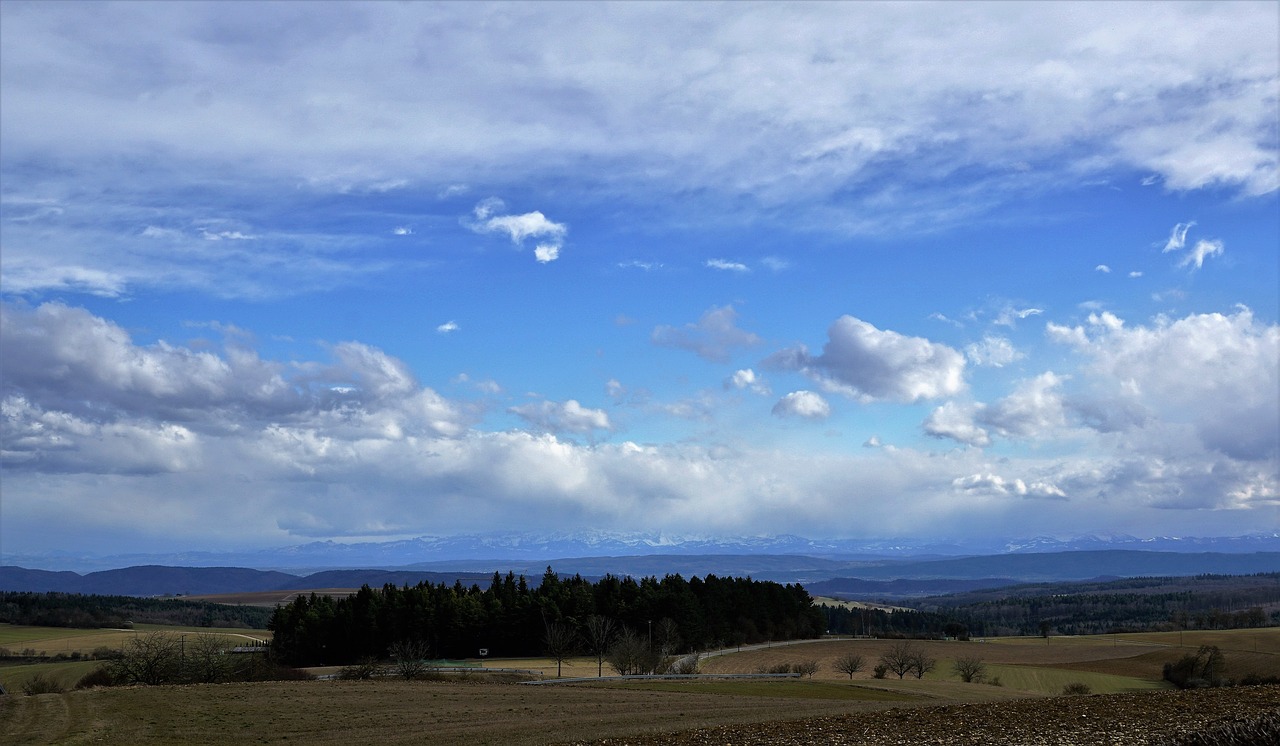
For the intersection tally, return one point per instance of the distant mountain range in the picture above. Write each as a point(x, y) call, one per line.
point(865, 576)
point(538, 548)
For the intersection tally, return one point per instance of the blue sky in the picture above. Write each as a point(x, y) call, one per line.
point(274, 273)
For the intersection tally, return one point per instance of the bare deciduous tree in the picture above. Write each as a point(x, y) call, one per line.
point(805, 668)
point(152, 658)
point(205, 658)
point(900, 658)
point(922, 664)
point(410, 658)
point(850, 663)
point(969, 669)
point(600, 631)
point(561, 641)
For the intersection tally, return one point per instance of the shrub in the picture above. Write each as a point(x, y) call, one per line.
point(100, 676)
point(364, 670)
point(1199, 670)
point(995, 681)
point(805, 668)
point(879, 671)
point(41, 684)
point(1076, 687)
point(686, 664)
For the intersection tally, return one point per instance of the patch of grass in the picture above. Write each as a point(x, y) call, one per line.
point(1052, 680)
point(763, 688)
point(64, 674)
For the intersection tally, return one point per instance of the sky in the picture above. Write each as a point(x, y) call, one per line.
point(279, 273)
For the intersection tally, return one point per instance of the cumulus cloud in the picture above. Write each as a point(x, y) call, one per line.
point(867, 363)
point(563, 417)
point(957, 422)
point(1104, 269)
point(489, 219)
point(61, 359)
point(806, 404)
point(1218, 373)
point(747, 380)
point(993, 484)
point(713, 338)
point(447, 327)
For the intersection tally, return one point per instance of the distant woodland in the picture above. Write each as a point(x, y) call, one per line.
point(1129, 605)
point(87, 611)
point(510, 618)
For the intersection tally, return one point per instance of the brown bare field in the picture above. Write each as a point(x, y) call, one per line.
point(391, 712)
point(494, 708)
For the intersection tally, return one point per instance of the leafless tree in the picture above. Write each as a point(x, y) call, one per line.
point(666, 636)
point(805, 668)
point(409, 658)
point(205, 658)
point(900, 658)
point(153, 658)
point(631, 654)
point(849, 663)
point(922, 664)
point(600, 631)
point(969, 669)
point(561, 641)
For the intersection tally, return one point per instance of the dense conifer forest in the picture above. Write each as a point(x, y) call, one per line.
point(510, 618)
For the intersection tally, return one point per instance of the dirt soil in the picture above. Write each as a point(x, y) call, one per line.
point(1241, 716)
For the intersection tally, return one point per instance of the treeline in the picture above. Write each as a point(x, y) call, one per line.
point(510, 618)
point(1132, 604)
point(892, 624)
point(88, 611)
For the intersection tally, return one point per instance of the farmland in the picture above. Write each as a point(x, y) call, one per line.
point(496, 708)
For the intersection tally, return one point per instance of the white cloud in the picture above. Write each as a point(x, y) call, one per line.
point(569, 416)
point(1104, 269)
point(1202, 250)
point(1218, 373)
point(954, 421)
point(867, 363)
point(1135, 273)
point(806, 404)
point(746, 379)
point(727, 266)
point(1178, 237)
point(994, 484)
point(1009, 316)
point(714, 337)
point(546, 252)
point(402, 230)
point(992, 351)
point(520, 227)
point(447, 327)
point(1034, 410)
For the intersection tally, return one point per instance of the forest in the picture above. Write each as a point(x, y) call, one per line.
point(54, 609)
point(510, 618)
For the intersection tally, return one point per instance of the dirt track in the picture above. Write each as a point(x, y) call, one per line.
point(1243, 716)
